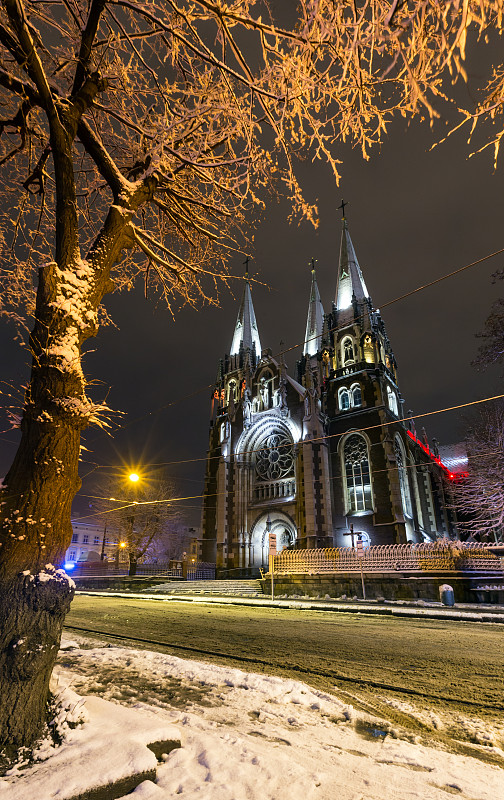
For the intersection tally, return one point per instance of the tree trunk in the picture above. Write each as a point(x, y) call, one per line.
point(132, 565)
point(32, 611)
point(34, 534)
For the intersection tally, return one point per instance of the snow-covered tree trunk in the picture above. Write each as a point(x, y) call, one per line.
point(41, 484)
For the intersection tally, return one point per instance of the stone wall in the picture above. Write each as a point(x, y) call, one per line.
point(118, 583)
point(377, 585)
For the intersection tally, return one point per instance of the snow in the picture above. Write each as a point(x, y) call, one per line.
point(50, 573)
point(244, 736)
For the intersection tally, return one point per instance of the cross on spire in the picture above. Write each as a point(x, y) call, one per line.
point(246, 262)
point(342, 206)
point(313, 262)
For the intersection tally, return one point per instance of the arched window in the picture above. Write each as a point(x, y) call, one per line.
point(403, 477)
point(232, 391)
point(392, 400)
point(368, 350)
point(356, 395)
point(357, 476)
point(344, 399)
point(347, 350)
point(275, 457)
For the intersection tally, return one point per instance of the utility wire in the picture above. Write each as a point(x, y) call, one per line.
point(281, 353)
point(325, 437)
point(309, 441)
point(135, 503)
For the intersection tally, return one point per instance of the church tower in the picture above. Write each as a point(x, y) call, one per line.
point(381, 480)
point(312, 459)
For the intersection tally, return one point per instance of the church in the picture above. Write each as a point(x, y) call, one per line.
point(322, 456)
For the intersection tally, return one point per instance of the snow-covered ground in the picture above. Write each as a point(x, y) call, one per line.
point(244, 737)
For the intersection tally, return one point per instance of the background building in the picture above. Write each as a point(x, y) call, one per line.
point(90, 540)
point(308, 457)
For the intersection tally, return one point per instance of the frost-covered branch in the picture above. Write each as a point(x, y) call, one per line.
point(479, 496)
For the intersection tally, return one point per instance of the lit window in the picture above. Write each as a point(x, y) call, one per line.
point(368, 350)
point(392, 400)
point(232, 391)
point(344, 399)
point(357, 475)
point(403, 477)
point(347, 350)
point(274, 457)
point(356, 395)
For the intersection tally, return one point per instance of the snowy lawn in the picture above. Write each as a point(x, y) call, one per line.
point(244, 737)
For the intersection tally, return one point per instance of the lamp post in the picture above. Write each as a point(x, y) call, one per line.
point(271, 553)
point(120, 546)
point(134, 478)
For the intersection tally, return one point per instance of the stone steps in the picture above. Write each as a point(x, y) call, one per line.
point(236, 588)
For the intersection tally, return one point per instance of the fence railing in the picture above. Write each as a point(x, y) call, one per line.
point(99, 568)
point(202, 571)
point(425, 557)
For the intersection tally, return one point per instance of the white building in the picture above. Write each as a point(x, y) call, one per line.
point(89, 541)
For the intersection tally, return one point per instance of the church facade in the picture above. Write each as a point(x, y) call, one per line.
point(315, 456)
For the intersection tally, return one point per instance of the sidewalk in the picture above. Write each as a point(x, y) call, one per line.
point(469, 612)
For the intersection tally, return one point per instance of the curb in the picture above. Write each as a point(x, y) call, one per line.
point(482, 614)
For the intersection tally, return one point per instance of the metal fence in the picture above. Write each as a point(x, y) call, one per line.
point(443, 555)
point(197, 571)
point(202, 571)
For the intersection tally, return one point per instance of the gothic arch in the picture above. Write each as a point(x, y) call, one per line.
point(354, 450)
point(347, 350)
point(250, 440)
point(281, 524)
point(402, 473)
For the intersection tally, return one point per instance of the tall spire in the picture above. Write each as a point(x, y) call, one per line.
point(246, 332)
point(350, 280)
point(315, 320)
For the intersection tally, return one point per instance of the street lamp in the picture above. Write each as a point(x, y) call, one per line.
point(120, 546)
point(134, 478)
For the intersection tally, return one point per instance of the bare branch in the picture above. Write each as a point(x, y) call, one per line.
point(93, 20)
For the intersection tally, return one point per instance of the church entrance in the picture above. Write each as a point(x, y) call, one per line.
point(281, 525)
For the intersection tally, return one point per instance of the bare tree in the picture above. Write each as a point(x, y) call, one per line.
point(140, 513)
point(491, 350)
point(479, 496)
point(136, 138)
point(173, 542)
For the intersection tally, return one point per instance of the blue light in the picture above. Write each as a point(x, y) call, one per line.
point(69, 566)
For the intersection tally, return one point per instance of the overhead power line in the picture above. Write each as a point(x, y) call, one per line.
point(332, 435)
point(135, 503)
point(281, 353)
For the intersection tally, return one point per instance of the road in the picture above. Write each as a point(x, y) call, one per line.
point(450, 665)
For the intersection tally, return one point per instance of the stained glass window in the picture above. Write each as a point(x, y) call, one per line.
point(403, 479)
point(358, 479)
point(344, 399)
point(275, 458)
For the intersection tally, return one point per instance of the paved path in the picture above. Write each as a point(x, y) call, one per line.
point(438, 663)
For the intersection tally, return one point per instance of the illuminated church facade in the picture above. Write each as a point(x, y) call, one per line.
point(310, 456)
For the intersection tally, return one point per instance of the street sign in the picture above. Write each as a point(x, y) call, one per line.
point(272, 544)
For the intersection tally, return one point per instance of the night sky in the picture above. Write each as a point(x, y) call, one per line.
point(414, 215)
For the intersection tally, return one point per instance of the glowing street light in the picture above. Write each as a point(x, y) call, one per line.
point(134, 477)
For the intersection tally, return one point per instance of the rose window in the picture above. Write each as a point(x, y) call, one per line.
point(274, 458)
